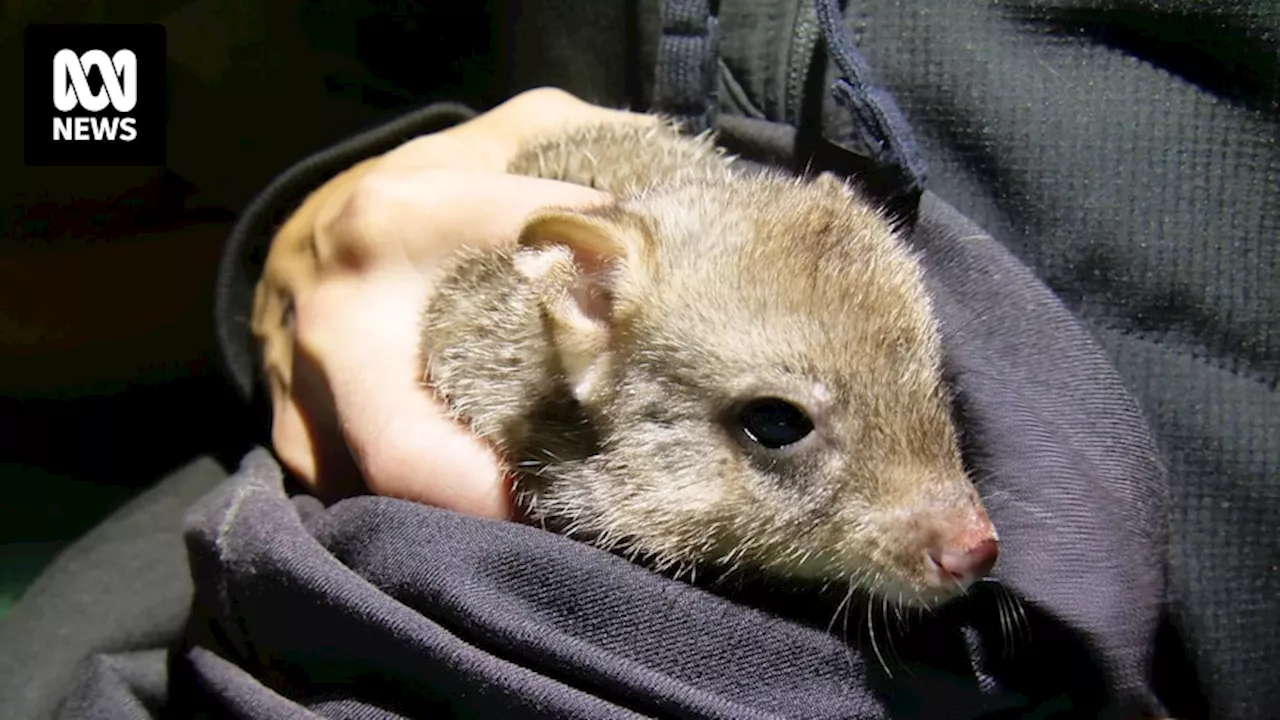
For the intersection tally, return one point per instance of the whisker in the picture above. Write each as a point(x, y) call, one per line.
point(1014, 626)
point(839, 607)
point(1023, 624)
point(889, 632)
point(903, 626)
point(1006, 621)
point(848, 610)
point(874, 645)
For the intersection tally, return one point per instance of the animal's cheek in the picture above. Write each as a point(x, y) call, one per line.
point(668, 453)
point(789, 491)
point(711, 463)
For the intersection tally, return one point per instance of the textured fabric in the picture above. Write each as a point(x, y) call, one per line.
point(685, 86)
point(120, 685)
point(121, 589)
point(880, 133)
point(1128, 153)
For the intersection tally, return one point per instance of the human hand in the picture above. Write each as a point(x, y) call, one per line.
point(337, 310)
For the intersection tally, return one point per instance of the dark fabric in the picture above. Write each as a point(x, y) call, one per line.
point(120, 594)
point(1128, 154)
point(688, 64)
point(131, 685)
point(880, 133)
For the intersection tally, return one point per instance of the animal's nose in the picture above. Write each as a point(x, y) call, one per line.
point(965, 565)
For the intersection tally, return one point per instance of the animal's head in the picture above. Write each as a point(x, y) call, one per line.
point(764, 366)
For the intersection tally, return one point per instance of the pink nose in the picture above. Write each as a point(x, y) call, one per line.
point(968, 565)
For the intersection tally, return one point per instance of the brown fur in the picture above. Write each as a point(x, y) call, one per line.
point(604, 357)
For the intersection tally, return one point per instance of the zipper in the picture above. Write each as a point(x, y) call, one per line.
point(804, 43)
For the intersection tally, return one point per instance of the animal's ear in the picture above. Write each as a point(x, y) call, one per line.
point(583, 256)
point(831, 182)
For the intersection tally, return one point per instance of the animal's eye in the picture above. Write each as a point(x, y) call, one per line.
point(774, 423)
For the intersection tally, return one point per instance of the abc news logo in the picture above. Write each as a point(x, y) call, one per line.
point(107, 105)
point(71, 89)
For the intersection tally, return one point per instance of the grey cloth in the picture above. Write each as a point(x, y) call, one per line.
point(120, 595)
point(687, 73)
point(1128, 154)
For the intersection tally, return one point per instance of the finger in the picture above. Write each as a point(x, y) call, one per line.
point(489, 141)
point(289, 438)
point(291, 441)
point(417, 217)
point(306, 430)
point(505, 129)
point(421, 454)
point(400, 436)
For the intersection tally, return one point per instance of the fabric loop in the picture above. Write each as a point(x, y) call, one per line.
point(883, 133)
point(685, 85)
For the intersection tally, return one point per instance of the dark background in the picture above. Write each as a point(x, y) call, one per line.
point(108, 376)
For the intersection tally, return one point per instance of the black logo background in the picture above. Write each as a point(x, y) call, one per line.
point(42, 42)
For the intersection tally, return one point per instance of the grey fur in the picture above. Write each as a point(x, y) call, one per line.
point(726, 286)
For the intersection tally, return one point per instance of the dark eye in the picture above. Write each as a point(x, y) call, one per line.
point(774, 423)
